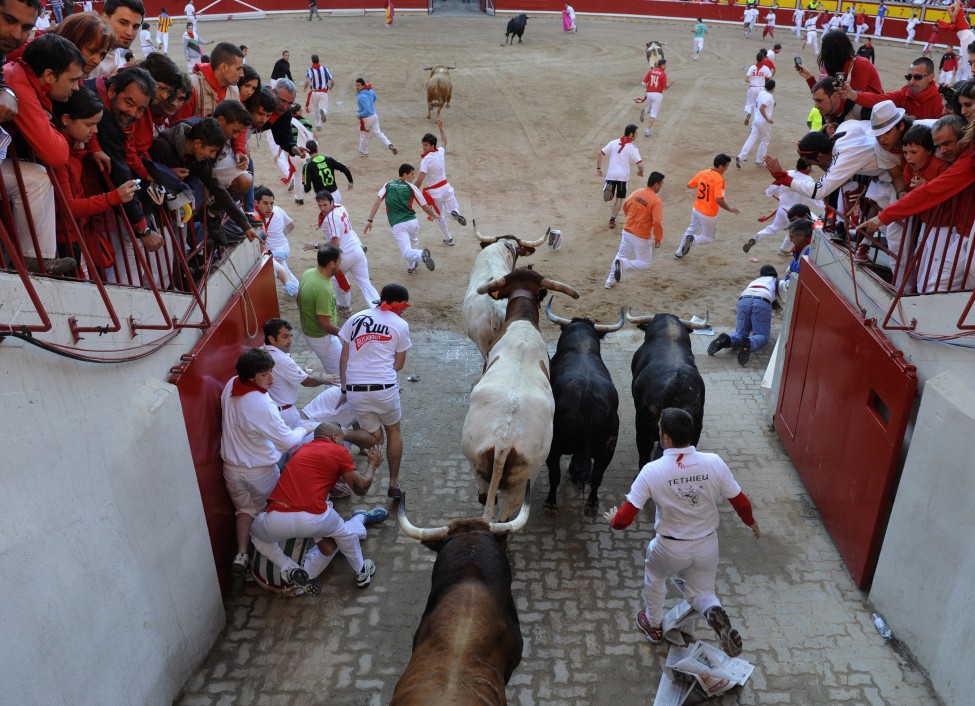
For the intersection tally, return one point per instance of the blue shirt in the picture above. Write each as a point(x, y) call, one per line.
point(366, 99)
point(882, 11)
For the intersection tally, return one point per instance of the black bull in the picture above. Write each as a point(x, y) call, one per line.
point(587, 421)
point(664, 375)
point(516, 28)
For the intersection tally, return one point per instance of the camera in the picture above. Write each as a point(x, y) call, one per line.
point(840, 78)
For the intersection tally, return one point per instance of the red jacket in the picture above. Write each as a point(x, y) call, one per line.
point(71, 179)
point(861, 75)
point(34, 115)
point(189, 108)
point(958, 180)
point(138, 144)
point(926, 104)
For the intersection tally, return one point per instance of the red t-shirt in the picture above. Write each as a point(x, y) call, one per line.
point(309, 477)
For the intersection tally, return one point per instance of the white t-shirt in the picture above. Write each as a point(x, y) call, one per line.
point(912, 23)
point(434, 165)
point(288, 375)
point(834, 22)
point(620, 160)
point(189, 11)
point(685, 485)
point(770, 18)
point(764, 99)
point(751, 14)
point(811, 24)
point(42, 21)
point(254, 435)
point(374, 337)
point(768, 288)
point(338, 224)
point(278, 226)
point(757, 75)
point(771, 55)
point(145, 41)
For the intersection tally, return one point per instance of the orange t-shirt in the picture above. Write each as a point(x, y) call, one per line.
point(644, 214)
point(710, 187)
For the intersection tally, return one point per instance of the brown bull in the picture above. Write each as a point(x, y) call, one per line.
point(439, 88)
point(469, 640)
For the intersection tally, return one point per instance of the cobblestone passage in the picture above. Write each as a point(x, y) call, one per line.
point(576, 583)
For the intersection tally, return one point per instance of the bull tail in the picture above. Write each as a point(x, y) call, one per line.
point(497, 473)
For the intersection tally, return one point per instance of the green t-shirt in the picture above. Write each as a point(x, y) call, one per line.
point(700, 29)
point(315, 296)
point(399, 196)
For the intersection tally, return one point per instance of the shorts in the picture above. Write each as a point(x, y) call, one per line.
point(653, 103)
point(249, 488)
point(618, 187)
point(325, 408)
point(375, 409)
point(225, 170)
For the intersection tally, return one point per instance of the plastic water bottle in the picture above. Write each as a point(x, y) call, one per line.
point(882, 627)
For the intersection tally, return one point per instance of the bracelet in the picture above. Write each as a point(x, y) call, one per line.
point(343, 390)
point(368, 220)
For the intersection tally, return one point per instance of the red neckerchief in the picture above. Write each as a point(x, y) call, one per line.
point(396, 307)
point(206, 70)
point(316, 66)
point(42, 89)
point(624, 141)
point(266, 221)
point(368, 85)
point(241, 388)
point(321, 218)
point(424, 154)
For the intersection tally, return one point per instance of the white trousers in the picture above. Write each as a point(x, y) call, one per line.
point(634, 254)
point(269, 528)
point(860, 30)
point(910, 36)
point(702, 229)
point(329, 351)
point(317, 102)
point(812, 40)
point(40, 201)
point(941, 250)
point(946, 77)
point(446, 202)
point(751, 95)
point(697, 560)
point(372, 126)
point(964, 72)
point(698, 46)
point(162, 41)
point(878, 26)
point(780, 221)
point(356, 268)
point(798, 29)
point(762, 134)
point(407, 235)
point(654, 100)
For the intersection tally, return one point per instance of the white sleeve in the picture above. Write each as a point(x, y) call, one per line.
point(417, 194)
point(640, 490)
point(853, 159)
point(268, 421)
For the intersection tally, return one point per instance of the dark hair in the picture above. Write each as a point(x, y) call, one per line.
point(802, 227)
point(50, 51)
point(130, 75)
point(207, 131)
point(919, 135)
point(759, 56)
point(776, 47)
point(721, 159)
point(285, 52)
point(233, 112)
point(135, 5)
point(405, 169)
point(250, 73)
point(678, 424)
point(971, 48)
point(770, 84)
point(661, 63)
point(242, 47)
point(629, 129)
point(84, 30)
point(393, 293)
point(145, 25)
point(430, 139)
point(263, 98)
point(272, 327)
point(262, 191)
point(802, 165)
point(81, 104)
point(965, 89)
point(800, 210)
point(815, 142)
point(35, 5)
point(827, 84)
point(327, 254)
point(162, 68)
point(128, 55)
point(314, 58)
point(926, 63)
point(361, 81)
point(224, 53)
point(324, 195)
point(311, 146)
point(655, 178)
point(952, 106)
point(252, 363)
point(837, 49)
point(766, 271)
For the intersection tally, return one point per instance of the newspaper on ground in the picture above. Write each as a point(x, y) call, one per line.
point(699, 672)
point(708, 329)
point(679, 622)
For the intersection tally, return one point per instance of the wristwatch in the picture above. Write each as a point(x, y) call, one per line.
point(146, 231)
point(9, 91)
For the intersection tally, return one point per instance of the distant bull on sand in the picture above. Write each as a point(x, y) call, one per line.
point(516, 28)
point(439, 88)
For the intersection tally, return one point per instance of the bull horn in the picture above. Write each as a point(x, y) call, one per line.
point(521, 520)
point(452, 67)
point(609, 328)
point(552, 317)
point(486, 239)
point(644, 319)
point(427, 68)
point(534, 243)
point(559, 287)
point(426, 534)
point(693, 326)
point(493, 285)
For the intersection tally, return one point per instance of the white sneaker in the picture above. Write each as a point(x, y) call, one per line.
point(363, 578)
point(239, 567)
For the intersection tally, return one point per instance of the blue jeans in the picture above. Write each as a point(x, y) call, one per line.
point(754, 323)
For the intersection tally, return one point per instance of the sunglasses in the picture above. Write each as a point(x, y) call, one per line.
point(916, 77)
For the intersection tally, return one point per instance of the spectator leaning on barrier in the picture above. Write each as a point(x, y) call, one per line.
point(920, 97)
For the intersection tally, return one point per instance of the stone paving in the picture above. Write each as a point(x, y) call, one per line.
point(576, 583)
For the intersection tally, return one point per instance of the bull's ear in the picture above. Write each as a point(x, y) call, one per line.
point(502, 539)
point(542, 293)
point(436, 544)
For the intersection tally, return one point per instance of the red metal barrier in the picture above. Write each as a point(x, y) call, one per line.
point(845, 401)
point(200, 378)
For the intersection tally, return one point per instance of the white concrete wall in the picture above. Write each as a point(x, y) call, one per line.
point(108, 592)
point(925, 580)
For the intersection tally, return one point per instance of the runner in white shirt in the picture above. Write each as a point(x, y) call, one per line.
point(812, 39)
point(751, 14)
point(190, 12)
point(145, 41)
point(336, 224)
point(685, 485)
point(288, 375)
point(253, 438)
point(761, 127)
point(798, 17)
point(438, 192)
point(755, 76)
point(374, 345)
point(622, 154)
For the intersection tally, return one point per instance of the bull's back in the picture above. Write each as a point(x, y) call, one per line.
point(465, 650)
point(586, 400)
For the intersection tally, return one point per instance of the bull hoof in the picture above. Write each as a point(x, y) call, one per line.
point(550, 510)
point(591, 509)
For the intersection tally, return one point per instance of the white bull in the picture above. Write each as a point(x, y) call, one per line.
point(484, 315)
point(655, 53)
point(508, 429)
point(439, 88)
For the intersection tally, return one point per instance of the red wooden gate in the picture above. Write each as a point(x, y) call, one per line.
point(845, 400)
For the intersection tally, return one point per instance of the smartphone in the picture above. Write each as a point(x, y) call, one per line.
point(138, 182)
point(840, 78)
point(798, 60)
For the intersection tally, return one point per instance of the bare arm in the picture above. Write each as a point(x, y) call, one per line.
point(399, 361)
point(326, 323)
point(443, 133)
point(726, 207)
point(361, 483)
point(372, 215)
